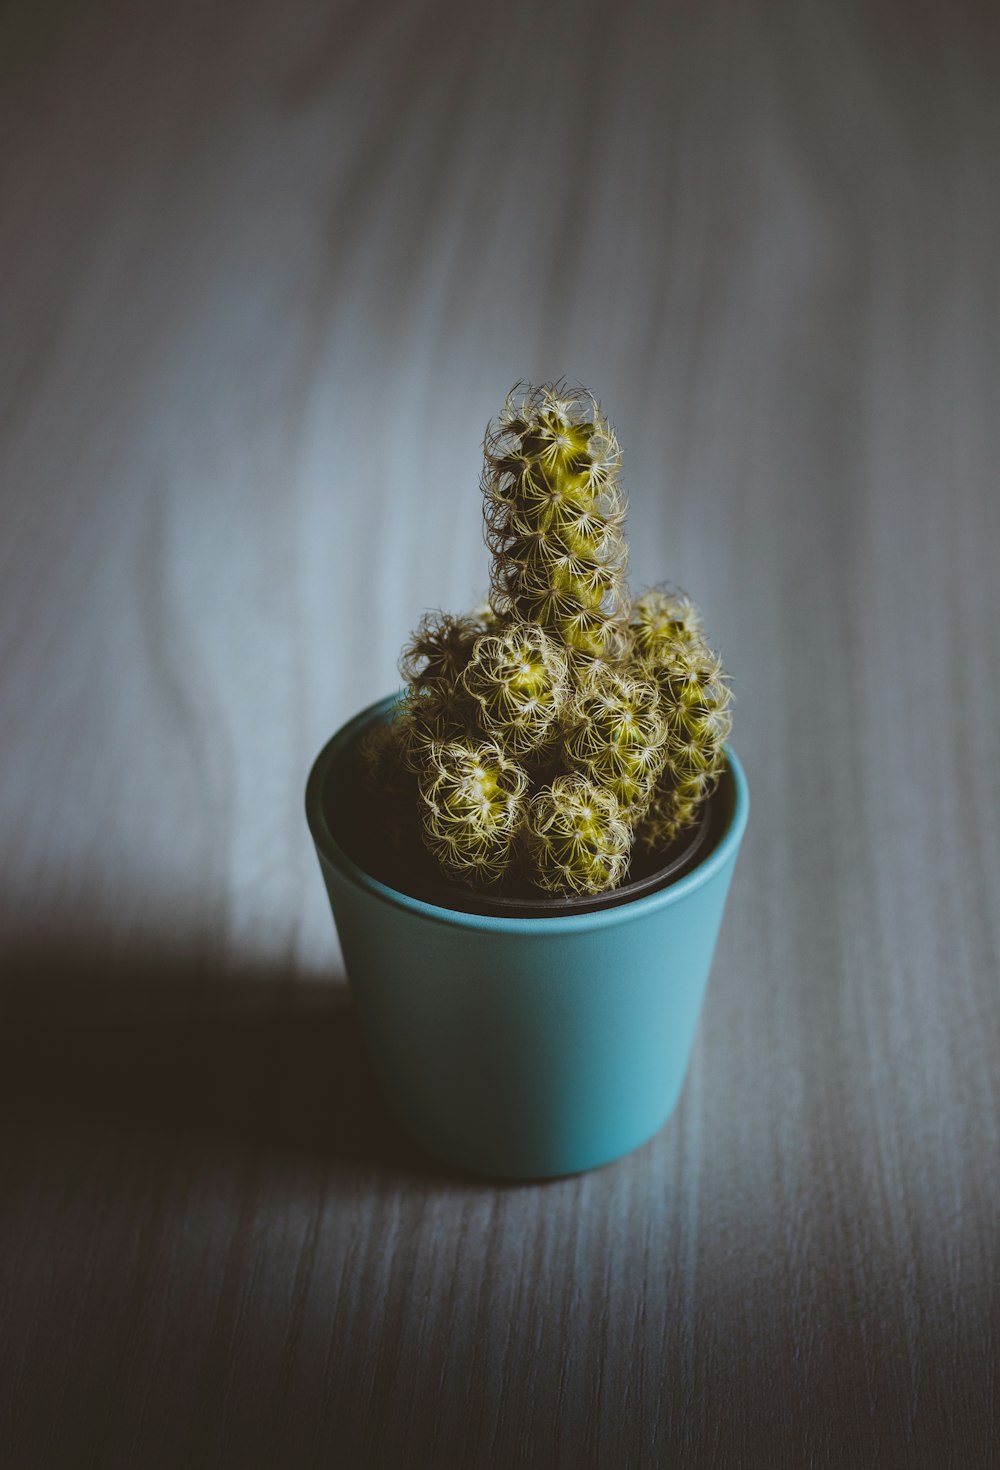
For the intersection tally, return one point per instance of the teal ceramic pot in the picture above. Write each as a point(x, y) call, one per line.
point(524, 1047)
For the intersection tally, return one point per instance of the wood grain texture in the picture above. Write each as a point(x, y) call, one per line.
point(267, 270)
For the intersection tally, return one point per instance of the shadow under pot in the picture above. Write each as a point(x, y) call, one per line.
point(514, 1034)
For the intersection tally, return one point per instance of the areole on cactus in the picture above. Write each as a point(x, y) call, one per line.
point(543, 737)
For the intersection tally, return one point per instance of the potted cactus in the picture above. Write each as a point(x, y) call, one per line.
point(528, 851)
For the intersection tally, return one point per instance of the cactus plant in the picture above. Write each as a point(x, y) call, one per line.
point(544, 737)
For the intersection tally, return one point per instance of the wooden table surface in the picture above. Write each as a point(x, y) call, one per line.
point(266, 271)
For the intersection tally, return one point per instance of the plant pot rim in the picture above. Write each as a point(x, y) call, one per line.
point(332, 852)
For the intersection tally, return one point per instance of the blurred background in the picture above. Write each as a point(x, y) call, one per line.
point(266, 272)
